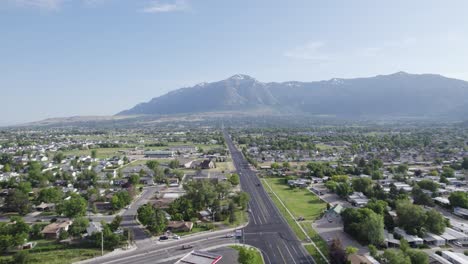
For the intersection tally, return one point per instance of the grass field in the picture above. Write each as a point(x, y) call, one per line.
point(50, 252)
point(300, 202)
point(102, 153)
point(258, 257)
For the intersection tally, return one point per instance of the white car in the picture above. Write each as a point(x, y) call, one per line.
point(177, 237)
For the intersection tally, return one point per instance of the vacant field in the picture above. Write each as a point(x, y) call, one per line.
point(102, 153)
point(52, 253)
point(300, 202)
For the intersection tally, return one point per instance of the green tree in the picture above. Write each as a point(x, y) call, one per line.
point(246, 256)
point(73, 207)
point(174, 164)
point(21, 257)
point(402, 168)
point(435, 222)
point(459, 199)
point(464, 164)
point(410, 217)
point(50, 195)
point(378, 206)
point(336, 252)
point(428, 185)
point(18, 201)
point(134, 179)
point(395, 256)
point(152, 164)
point(153, 218)
point(361, 184)
point(420, 197)
point(24, 187)
point(78, 227)
point(94, 153)
point(351, 250)
point(58, 157)
point(234, 179)
point(115, 224)
point(343, 189)
point(243, 199)
point(275, 166)
point(418, 256)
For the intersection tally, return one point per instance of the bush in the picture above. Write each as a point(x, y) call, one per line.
point(21, 257)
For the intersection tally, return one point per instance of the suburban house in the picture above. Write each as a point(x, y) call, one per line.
point(179, 226)
point(433, 240)
point(207, 164)
point(358, 199)
point(52, 231)
point(301, 183)
point(450, 235)
point(412, 240)
point(45, 207)
point(462, 212)
point(455, 258)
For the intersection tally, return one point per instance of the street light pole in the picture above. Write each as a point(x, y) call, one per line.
point(102, 242)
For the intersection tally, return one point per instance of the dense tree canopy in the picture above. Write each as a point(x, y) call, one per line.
point(364, 225)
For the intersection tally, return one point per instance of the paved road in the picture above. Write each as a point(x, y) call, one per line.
point(153, 251)
point(267, 230)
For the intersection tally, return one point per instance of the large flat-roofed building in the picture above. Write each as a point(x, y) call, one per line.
point(159, 154)
point(200, 257)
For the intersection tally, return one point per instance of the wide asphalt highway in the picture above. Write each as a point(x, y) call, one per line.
point(267, 230)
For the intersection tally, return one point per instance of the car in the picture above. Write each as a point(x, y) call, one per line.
point(258, 184)
point(187, 247)
point(229, 235)
point(163, 238)
point(176, 237)
point(249, 210)
point(458, 244)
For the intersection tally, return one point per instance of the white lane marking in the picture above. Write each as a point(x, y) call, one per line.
point(286, 246)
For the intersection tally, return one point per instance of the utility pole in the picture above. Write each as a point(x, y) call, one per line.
point(102, 242)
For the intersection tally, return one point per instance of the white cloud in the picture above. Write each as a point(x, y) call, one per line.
point(164, 7)
point(42, 4)
point(312, 50)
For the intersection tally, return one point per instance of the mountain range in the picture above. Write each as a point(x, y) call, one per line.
point(396, 95)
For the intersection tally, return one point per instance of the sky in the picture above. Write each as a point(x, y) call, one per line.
point(62, 58)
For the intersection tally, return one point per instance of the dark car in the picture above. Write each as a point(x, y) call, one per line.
point(187, 246)
point(258, 184)
point(163, 238)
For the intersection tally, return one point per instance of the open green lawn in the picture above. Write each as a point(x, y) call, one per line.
point(314, 253)
point(300, 202)
point(51, 252)
point(318, 240)
point(258, 257)
point(102, 153)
